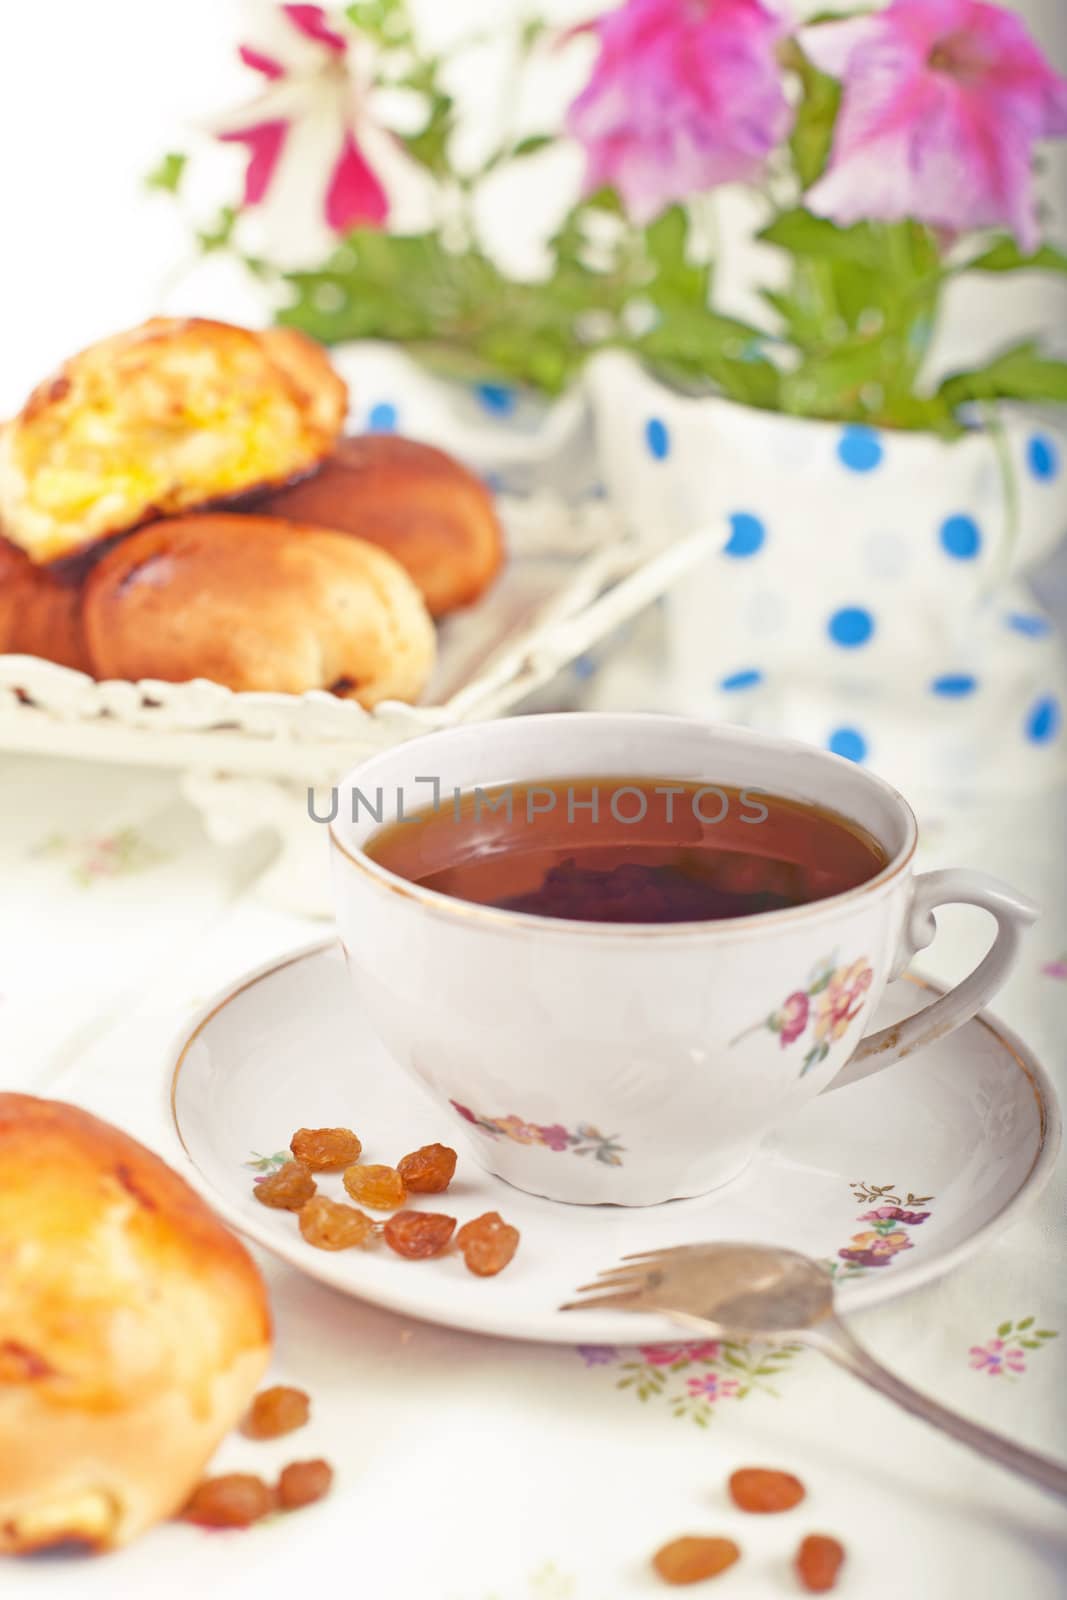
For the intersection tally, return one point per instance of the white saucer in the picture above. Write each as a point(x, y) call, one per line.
point(959, 1138)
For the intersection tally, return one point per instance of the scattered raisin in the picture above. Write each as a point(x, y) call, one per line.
point(381, 1188)
point(235, 1500)
point(488, 1244)
point(429, 1170)
point(276, 1411)
point(417, 1234)
point(303, 1482)
point(330, 1225)
point(287, 1189)
point(325, 1149)
point(691, 1559)
point(762, 1489)
point(817, 1563)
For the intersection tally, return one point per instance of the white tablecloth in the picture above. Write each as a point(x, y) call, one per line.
point(469, 1469)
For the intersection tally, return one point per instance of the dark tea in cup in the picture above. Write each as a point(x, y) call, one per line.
point(628, 849)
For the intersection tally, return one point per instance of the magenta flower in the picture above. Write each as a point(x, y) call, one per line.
point(555, 1136)
point(995, 1360)
point(1055, 969)
point(793, 1018)
point(464, 1111)
point(943, 103)
point(685, 94)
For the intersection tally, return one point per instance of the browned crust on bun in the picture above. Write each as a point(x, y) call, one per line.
point(258, 603)
point(427, 510)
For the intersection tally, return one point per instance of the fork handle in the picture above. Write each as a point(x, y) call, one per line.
point(835, 1341)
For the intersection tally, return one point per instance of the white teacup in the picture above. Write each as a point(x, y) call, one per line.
point(631, 1063)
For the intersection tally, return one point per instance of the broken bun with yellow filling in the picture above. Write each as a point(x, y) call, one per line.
point(134, 1331)
point(175, 414)
point(429, 512)
point(258, 603)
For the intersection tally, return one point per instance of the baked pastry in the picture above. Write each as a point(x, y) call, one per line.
point(258, 603)
point(433, 515)
point(174, 414)
point(40, 610)
point(134, 1330)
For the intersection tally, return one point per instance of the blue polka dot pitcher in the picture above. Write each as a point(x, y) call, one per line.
point(869, 595)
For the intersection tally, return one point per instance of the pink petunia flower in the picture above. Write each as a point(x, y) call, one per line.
point(943, 103)
point(319, 163)
point(684, 95)
point(1055, 969)
point(995, 1359)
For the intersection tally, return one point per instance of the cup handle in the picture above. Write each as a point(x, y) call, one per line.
point(1013, 911)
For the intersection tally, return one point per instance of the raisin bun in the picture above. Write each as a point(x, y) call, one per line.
point(258, 603)
point(134, 1330)
point(41, 610)
point(433, 515)
point(174, 414)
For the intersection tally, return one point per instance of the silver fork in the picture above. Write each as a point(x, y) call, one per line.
point(753, 1291)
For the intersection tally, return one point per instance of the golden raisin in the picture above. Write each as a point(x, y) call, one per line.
point(381, 1188)
point(303, 1482)
point(235, 1500)
point(288, 1189)
point(276, 1411)
point(330, 1225)
point(762, 1489)
point(429, 1170)
point(692, 1559)
point(488, 1244)
point(418, 1234)
point(325, 1149)
point(818, 1562)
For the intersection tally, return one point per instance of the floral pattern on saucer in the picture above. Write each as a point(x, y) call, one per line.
point(890, 1220)
point(831, 999)
point(585, 1140)
point(1004, 1356)
point(693, 1379)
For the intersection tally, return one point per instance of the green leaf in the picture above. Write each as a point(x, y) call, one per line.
point(1045, 1333)
point(1030, 1344)
point(385, 21)
point(1005, 256)
point(1027, 1322)
point(816, 114)
point(1004, 1329)
point(803, 234)
point(531, 145)
point(220, 235)
point(1021, 373)
point(168, 175)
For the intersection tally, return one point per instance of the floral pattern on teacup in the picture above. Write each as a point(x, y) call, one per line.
point(1004, 1356)
point(585, 1140)
point(1057, 968)
point(829, 1002)
point(891, 1218)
